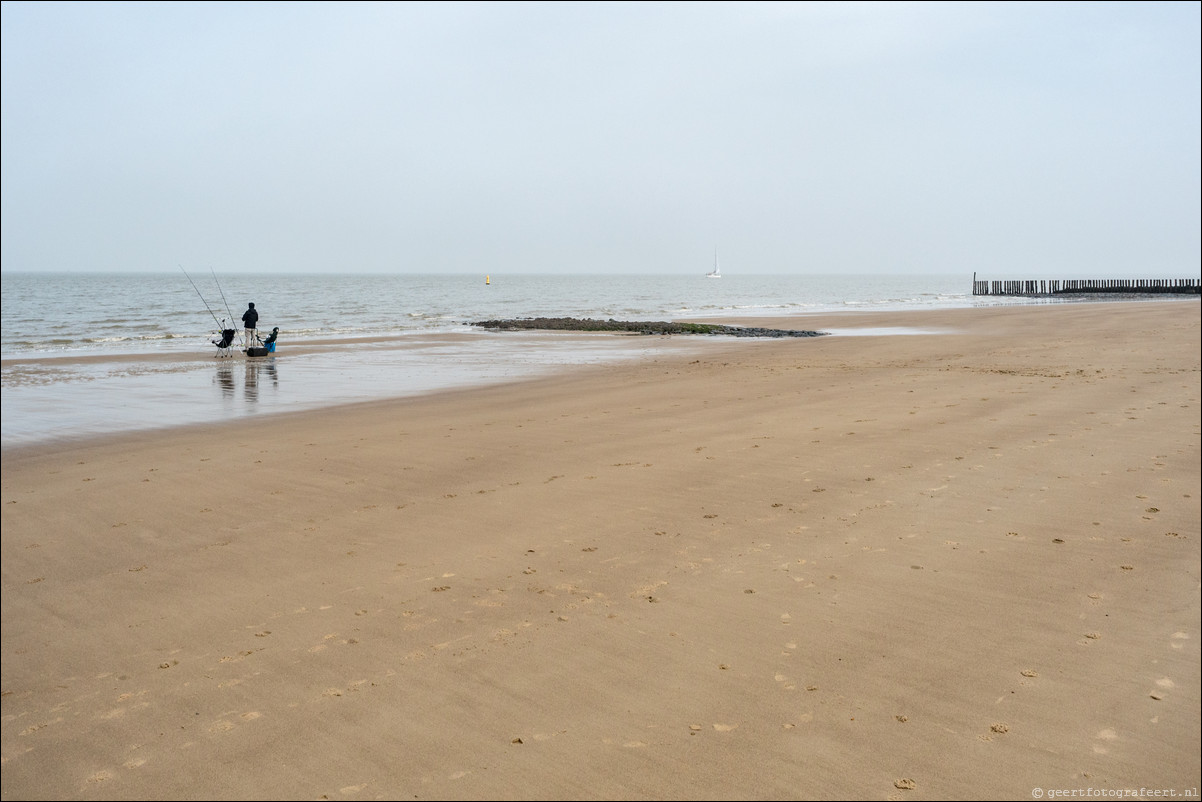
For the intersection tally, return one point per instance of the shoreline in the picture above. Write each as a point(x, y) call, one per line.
point(71, 398)
point(959, 566)
point(66, 399)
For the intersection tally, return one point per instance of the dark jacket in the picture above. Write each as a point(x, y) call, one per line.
point(250, 317)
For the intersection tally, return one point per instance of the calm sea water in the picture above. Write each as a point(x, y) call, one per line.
point(108, 313)
point(87, 353)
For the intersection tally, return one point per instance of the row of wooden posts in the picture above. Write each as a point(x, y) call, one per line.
point(1182, 286)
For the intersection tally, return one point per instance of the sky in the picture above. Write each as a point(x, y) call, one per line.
point(1012, 140)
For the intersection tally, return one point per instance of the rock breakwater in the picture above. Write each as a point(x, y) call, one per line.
point(636, 327)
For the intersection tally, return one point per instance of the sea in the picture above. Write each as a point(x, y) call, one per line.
point(88, 354)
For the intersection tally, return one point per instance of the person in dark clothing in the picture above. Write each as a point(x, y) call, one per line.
point(250, 319)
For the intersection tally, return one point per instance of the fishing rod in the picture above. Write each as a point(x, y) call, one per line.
point(227, 303)
point(220, 325)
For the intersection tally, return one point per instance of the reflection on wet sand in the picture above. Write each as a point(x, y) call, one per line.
point(251, 386)
point(225, 378)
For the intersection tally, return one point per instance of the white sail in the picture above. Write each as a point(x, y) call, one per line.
point(716, 272)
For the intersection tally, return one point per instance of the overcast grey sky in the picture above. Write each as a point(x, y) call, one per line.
point(1010, 139)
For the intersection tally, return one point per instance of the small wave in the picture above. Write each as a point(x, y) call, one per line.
point(761, 307)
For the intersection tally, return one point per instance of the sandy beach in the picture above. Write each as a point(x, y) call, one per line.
point(962, 564)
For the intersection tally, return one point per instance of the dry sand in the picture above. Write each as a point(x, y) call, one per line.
point(960, 565)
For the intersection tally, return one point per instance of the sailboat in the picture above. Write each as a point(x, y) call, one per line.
point(716, 272)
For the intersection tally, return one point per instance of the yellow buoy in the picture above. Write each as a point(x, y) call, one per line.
point(486, 280)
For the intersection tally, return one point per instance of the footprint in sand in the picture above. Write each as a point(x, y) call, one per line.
point(112, 714)
point(1107, 734)
point(994, 729)
point(35, 727)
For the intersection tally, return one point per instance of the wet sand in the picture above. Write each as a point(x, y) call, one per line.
point(953, 565)
point(66, 397)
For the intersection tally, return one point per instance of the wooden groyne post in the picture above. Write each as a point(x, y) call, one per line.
point(1133, 286)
